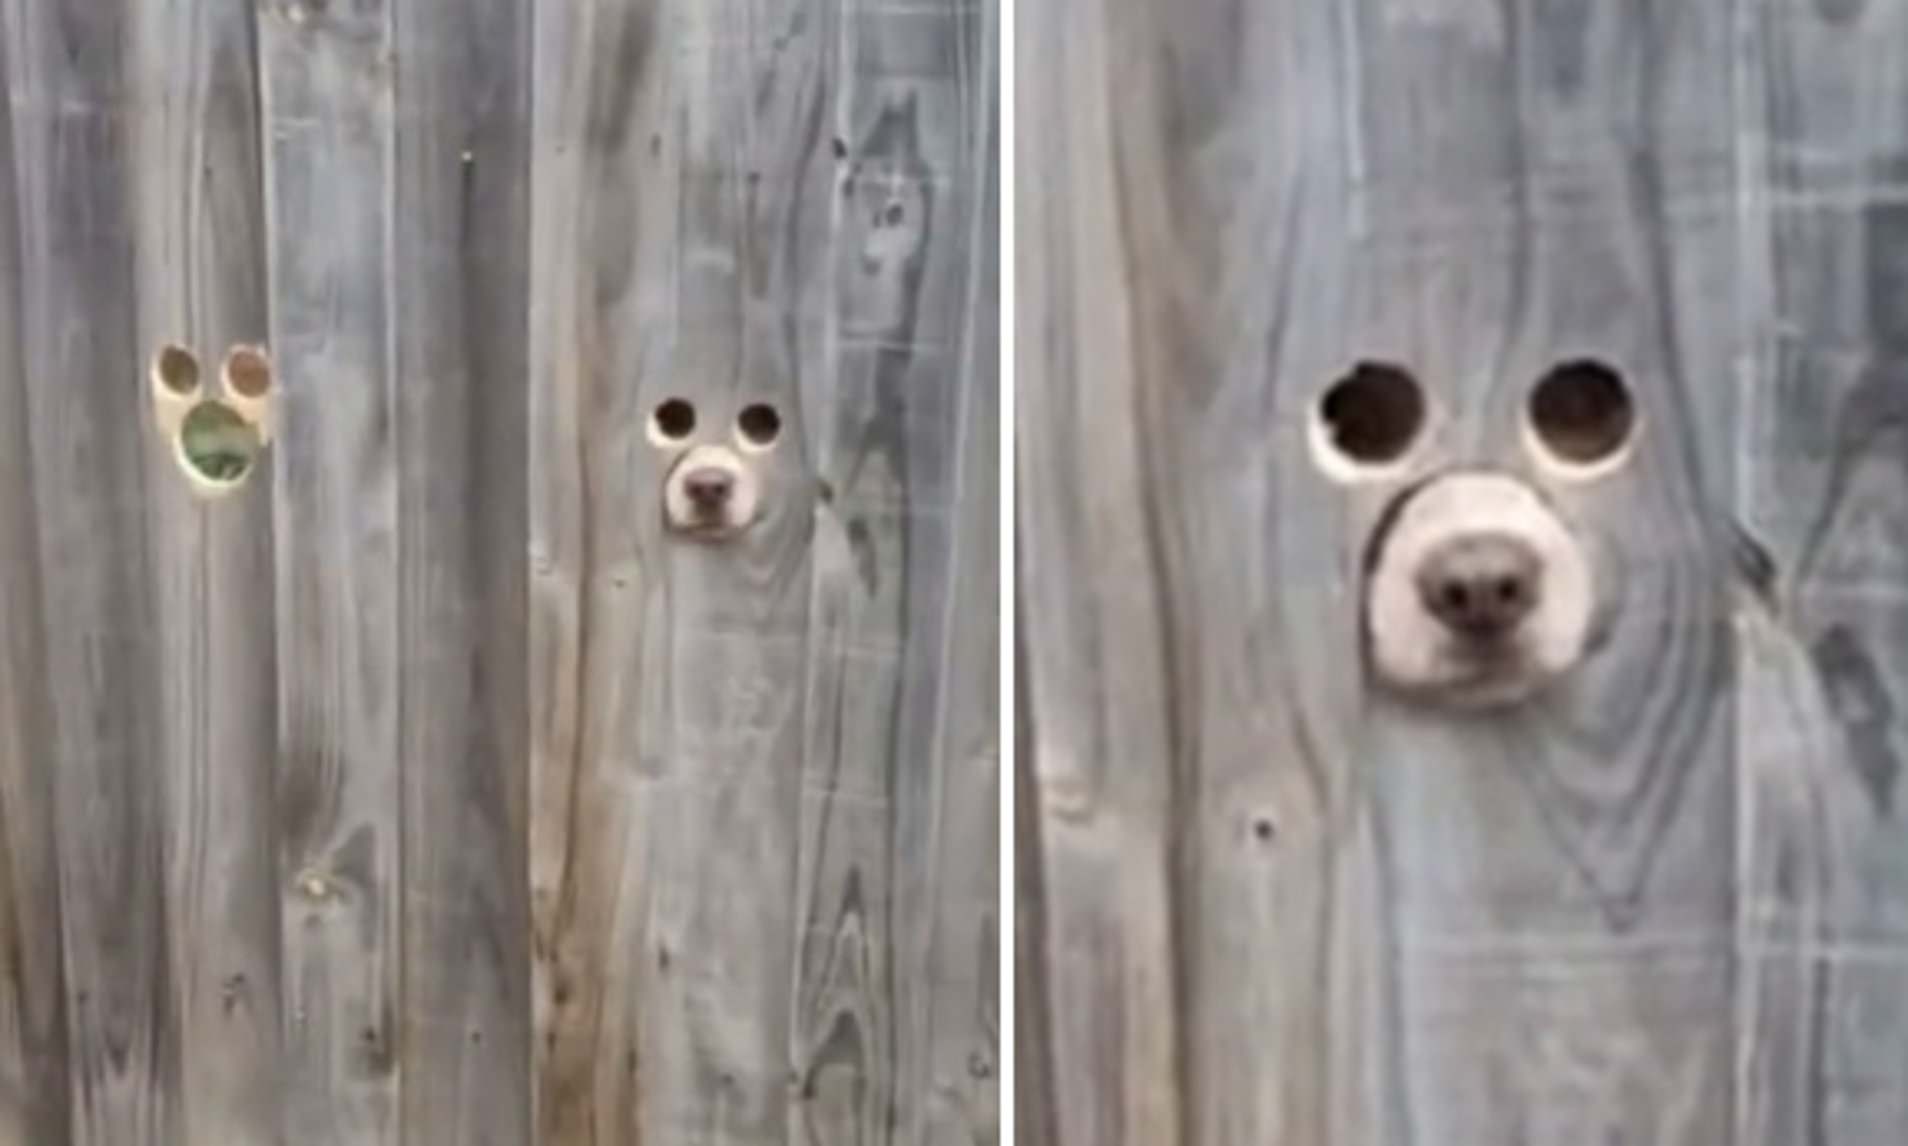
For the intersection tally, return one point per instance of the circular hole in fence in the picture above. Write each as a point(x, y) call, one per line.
point(176, 368)
point(218, 445)
point(1581, 413)
point(759, 425)
point(673, 421)
point(1372, 415)
point(248, 372)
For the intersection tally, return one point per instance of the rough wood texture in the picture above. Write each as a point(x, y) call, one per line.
point(421, 790)
point(763, 777)
point(327, 101)
point(1275, 907)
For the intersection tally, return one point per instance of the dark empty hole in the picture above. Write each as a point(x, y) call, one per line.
point(675, 419)
point(893, 215)
point(1454, 596)
point(217, 443)
point(759, 424)
point(1582, 411)
point(1374, 413)
point(1507, 590)
point(177, 369)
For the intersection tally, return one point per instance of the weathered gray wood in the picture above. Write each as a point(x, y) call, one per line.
point(327, 96)
point(199, 280)
point(459, 306)
point(72, 91)
point(1823, 479)
point(1277, 907)
point(601, 106)
point(34, 1089)
point(762, 772)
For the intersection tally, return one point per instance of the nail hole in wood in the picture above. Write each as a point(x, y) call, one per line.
point(1582, 412)
point(248, 372)
point(673, 421)
point(176, 368)
point(759, 424)
point(1374, 414)
point(216, 445)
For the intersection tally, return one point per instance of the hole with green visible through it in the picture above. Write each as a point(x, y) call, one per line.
point(217, 444)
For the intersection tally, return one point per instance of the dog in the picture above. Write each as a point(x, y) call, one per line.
point(713, 491)
point(1477, 591)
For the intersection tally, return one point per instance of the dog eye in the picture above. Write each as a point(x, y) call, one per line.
point(674, 420)
point(1581, 413)
point(1372, 415)
point(759, 425)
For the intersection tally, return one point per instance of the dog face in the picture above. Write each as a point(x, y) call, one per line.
point(711, 494)
point(713, 491)
point(1476, 591)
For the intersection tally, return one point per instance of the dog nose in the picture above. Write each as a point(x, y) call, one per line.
point(1480, 585)
point(708, 486)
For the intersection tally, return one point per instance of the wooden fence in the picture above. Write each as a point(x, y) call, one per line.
point(1263, 904)
point(423, 789)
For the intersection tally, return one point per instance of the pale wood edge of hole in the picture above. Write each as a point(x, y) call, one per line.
point(170, 403)
point(1561, 469)
point(1336, 465)
point(248, 381)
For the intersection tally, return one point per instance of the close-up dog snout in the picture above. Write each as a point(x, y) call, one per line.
point(708, 487)
point(1481, 584)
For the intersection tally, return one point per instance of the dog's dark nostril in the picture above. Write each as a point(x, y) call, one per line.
point(709, 486)
point(1480, 585)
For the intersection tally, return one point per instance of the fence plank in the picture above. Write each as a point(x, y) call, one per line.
point(34, 1088)
point(1822, 483)
point(73, 146)
point(327, 101)
point(200, 282)
point(599, 244)
point(458, 289)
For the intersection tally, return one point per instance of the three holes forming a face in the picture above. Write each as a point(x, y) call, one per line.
point(216, 440)
point(1579, 418)
point(673, 422)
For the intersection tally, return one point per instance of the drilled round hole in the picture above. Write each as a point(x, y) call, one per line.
point(1582, 413)
point(1373, 414)
point(176, 368)
point(248, 372)
point(674, 420)
point(759, 425)
point(218, 444)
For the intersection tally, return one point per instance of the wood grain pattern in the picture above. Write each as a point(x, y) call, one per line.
point(422, 789)
point(1276, 906)
point(327, 102)
point(1823, 480)
point(199, 279)
point(72, 86)
point(459, 306)
point(762, 773)
point(34, 1086)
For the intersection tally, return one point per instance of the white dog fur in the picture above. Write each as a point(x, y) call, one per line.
point(740, 511)
point(1411, 651)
